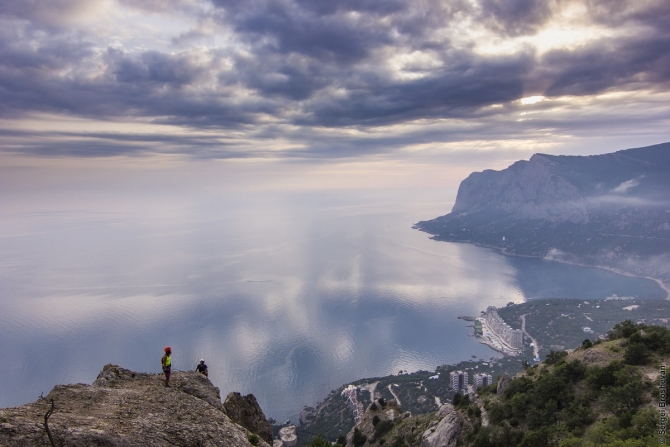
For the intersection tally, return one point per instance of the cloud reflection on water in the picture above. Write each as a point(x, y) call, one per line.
point(286, 295)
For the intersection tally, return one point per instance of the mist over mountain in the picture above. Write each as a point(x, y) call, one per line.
point(610, 210)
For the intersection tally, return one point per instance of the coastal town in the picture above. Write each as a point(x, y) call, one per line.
point(494, 332)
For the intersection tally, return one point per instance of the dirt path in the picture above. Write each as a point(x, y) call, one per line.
point(536, 346)
point(485, 415)
point(371, 387)
point(395, 396)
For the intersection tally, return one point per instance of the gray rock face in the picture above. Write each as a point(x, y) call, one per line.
point(288, 436)
point(244, 410)
point(503, 382)
point(526, 190)
point(129, 409)
point(445, 432)
point(307, 415)
point(389, 411)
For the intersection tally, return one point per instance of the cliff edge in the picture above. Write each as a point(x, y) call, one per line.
point(126, 408)
point(609, 210)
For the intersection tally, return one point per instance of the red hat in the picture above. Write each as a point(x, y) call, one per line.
point(167, 349)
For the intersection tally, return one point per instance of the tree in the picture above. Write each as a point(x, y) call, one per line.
point(359, 438)
point(628, 392)
point(555, 356)
point(623, 330)
point(637, 354)
point(318, 441)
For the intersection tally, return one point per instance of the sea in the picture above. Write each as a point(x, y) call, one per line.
point(285, 294)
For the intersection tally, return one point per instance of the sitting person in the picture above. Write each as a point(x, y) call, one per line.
point(202, 368)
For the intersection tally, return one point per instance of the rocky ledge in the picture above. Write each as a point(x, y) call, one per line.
point(126, 408)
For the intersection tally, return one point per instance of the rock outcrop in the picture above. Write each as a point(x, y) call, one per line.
point(445, 432)
point(245, 411)
point(288, 436)
point(378, 414)
point(307, 415)
point(126, 408)
point(527, 190)
point(502, 383)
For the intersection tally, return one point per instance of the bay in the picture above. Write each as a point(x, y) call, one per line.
point(285, 294)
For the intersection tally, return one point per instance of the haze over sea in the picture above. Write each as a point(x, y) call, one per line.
point(286, 295)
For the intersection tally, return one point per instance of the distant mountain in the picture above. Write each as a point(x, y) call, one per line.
point(610, 210)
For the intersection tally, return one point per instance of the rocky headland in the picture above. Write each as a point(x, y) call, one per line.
point(610, 210)
point(126, 408)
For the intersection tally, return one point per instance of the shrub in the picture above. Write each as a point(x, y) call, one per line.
point(623, 330)
point(570, 372)
point(359, 438)
point(318, 441)
point(599, 378)
point(382, 428)
point(627, 393)
point(555, 356)
point(637, 354)
point(254, 439)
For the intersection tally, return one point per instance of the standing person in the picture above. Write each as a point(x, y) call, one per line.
point(202, 368)
point(166, 362)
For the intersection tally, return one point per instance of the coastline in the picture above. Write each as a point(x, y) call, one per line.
point(665, 287)
point(661, 284)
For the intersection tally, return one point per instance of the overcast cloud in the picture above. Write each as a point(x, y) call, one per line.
point(329, 79)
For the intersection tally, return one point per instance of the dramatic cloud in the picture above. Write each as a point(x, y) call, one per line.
point(340, 78)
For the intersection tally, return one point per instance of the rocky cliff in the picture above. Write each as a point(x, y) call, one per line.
point(611, 210)
point(126, 408)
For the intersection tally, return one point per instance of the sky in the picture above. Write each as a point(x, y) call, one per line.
point(322, 93)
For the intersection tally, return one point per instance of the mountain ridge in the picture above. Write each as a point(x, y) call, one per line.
point(610, 210)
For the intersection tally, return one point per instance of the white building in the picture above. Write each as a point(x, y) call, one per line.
point(481, 379)
point(458, 380)
point(513, 337)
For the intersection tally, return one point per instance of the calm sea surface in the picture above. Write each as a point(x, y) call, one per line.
point(285, 295)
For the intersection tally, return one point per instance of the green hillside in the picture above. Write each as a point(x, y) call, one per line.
point(601, 395)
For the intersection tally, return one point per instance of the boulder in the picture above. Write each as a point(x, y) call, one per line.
point(288, 436)
point(445, 432)
point(245, 411)
point(592, 357)
point(503, 382)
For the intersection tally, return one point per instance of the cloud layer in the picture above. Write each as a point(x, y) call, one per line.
point(333, 78)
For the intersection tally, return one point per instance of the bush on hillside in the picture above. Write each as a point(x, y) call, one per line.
point(555, 356)
point(637, 354)
point(623, 330)
point(359, 438)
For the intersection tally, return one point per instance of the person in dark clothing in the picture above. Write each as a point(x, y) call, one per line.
point(202, 368)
